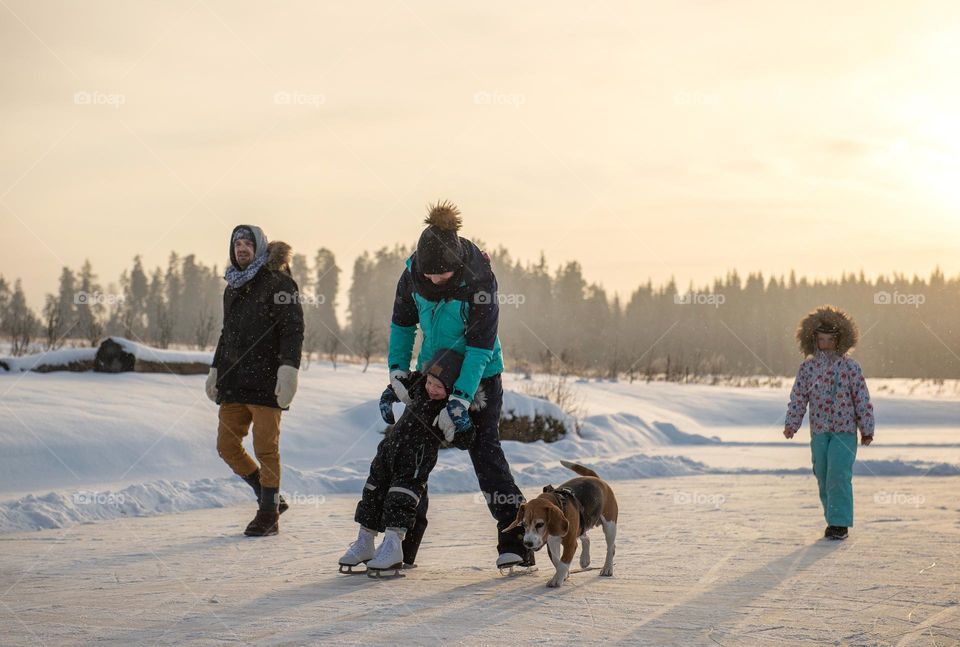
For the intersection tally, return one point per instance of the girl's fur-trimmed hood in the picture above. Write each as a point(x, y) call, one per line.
point(848, 337)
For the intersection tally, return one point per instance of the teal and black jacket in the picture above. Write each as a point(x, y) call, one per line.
point(463, 315)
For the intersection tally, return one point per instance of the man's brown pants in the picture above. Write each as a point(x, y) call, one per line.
point(235, 422)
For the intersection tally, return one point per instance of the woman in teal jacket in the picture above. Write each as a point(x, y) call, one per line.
point(449, 290)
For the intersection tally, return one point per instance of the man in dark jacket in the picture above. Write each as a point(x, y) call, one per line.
point(449, 290)
point(254, 372)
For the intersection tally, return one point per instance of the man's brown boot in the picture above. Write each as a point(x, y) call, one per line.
point(267, 522)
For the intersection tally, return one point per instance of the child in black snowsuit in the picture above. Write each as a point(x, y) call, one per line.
point(399, 471)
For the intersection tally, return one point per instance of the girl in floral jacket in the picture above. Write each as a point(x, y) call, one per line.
point(833, 386)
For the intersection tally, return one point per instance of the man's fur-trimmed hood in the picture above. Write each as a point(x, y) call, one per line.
point(849, 334)
point(279, 256)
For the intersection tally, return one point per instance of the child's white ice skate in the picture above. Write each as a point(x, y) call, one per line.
point(388, 560)
point(360, 551)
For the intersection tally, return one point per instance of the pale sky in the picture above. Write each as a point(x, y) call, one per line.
point(642, 139)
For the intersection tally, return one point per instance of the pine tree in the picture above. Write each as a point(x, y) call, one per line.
point(19, 322)
point(66, 301)
point(134, 311)
point(89, 305)
point(324, 313)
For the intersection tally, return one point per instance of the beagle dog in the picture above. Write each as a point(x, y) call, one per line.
point(560, 516)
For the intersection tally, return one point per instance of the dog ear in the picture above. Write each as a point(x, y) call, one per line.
point(516, 522)
point(557, 524)
point(548, 488)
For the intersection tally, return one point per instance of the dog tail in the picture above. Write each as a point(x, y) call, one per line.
point(579, 469)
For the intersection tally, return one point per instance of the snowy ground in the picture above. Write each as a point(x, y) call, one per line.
point(718, 541)
point(703, 560)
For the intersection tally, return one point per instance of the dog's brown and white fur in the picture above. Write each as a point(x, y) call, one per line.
point(553, 519)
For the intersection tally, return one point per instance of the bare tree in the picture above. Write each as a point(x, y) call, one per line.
point(557, 388)
point(311, 344)
point(53, 322)
point(366, 342)
point(331, 346)
point(206, 325)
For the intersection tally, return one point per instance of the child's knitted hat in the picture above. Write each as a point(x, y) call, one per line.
point(445, 366)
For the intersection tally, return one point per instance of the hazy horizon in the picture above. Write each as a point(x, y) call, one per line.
point(643, 141)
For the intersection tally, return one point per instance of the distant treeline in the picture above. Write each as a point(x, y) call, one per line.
point(551, 319)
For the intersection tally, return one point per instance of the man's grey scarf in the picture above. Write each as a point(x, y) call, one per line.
point(237, 278)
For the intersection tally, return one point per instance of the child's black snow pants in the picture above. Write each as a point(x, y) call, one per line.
point(493, 474)
point(399, 472)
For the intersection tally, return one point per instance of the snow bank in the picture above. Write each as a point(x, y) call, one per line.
point(63, 509)
point(60, 357)
point(623, 431)
point(521, 405)
point(82, 358)
point(166, 356)
point(89, 446)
